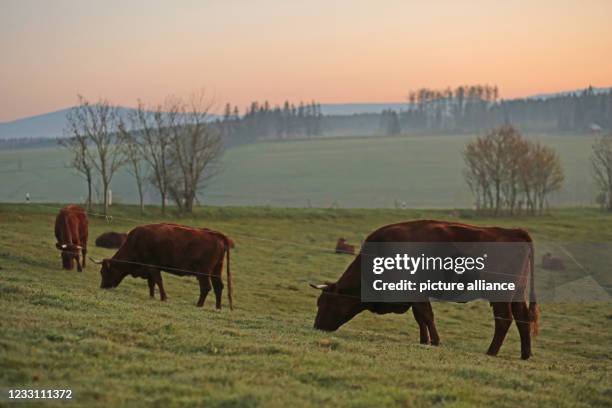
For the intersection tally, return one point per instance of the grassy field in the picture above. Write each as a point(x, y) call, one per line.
point(365, 172)
point(118, 347)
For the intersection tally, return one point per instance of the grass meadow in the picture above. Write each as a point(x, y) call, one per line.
point(329, 172)
point(119, 347)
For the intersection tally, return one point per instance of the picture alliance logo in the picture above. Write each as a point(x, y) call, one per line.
point(413, 264)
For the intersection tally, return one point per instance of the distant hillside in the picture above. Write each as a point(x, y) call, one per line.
point(51, 125)
point(565, 93)
point(47, 125)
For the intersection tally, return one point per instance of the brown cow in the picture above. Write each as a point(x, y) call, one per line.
point(71, 233)
point(111, 239)
point(343, 248)
point(339, 302)
point(175, 249)
point(552, 263)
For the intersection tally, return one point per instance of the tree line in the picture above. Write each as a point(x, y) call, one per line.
point(261, 120)
point(173, 147)
point(477, 107)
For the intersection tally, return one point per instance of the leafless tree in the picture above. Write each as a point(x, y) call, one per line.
point(150, 134)
point(135, 160)
point(505, 170)
point(548, 175)
point(601, 162)
point(76, 142)
point(196, 146)
point(99, 123)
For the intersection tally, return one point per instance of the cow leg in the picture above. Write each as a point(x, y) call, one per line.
point(503, 319)
point(204, 289)
point(151, 283)
point(520, 311)
point(426, 312)
point(84, 251)
point(423, 334)
point(77, 257)
point(157, 278)
point(217, 284)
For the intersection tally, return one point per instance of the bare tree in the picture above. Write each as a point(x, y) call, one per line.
point(601, 162)
point(151, 136)
point(76, 142)
point(196, 146)
point(98, 123)
point(548, 175)
point(135, 159)
point(504, 170)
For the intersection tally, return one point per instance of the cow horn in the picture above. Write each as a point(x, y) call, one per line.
point(94, 261)
point(320, 287)
point(78, 247)
point(64, 246)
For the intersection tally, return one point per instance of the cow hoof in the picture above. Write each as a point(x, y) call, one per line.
point(491, 353)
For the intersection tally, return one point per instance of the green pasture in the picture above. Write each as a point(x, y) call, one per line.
point(118, 347)
point(364, 172)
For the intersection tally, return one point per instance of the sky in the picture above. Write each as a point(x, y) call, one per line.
point(330, 51)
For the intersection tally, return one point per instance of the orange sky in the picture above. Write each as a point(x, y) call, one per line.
point(330, 51)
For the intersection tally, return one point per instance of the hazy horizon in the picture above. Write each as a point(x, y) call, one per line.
point(331, 52)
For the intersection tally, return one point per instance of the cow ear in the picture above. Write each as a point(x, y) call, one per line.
point(320, 287)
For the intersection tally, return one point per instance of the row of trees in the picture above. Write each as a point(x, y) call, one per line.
point(261, 120)
point(601, 162)
point(173, 147)
point(478, 107)
point(508, 173)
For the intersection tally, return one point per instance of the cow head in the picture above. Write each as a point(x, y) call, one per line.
point(335, 308)
point(69, 253)
point(111, 275)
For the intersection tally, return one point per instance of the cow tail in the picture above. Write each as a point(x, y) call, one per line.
point(534, 310)
point(228, 244)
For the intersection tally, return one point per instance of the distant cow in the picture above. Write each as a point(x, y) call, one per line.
point(339, 302)
point(552, 263)
point(343, 248)
point(175, 249)
point(111, 239)
point(71, 233)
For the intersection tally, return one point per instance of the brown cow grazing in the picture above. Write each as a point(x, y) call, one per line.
point(71, 233)
point(339, 302)
point(111, 239)
point(343, 248)
point(552, 263)
point(175, 249)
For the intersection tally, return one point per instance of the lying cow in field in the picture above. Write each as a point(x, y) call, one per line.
point(111, 240)
point(343, 248)
point(552, 263)
point(71, 233)
point(175, 249)
point(339, 302)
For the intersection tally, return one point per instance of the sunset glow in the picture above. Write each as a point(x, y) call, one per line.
point(340, 51)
